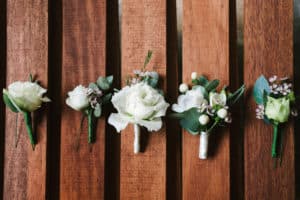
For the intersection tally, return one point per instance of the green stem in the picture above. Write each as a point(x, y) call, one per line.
point(91, 135)
point(28, 123)
point(274, 143)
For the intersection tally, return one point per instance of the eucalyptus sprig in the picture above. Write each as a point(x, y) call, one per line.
point(90, 101)
point(202, 108)
point(25, 97)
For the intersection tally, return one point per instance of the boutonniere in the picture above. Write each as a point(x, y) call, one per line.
point(202, 108)
point(90, 101)
point(140, 103)
point(25, 97)
point(276, 102)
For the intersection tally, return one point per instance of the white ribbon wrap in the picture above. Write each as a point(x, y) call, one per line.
point(137, 134)
point(203, 145)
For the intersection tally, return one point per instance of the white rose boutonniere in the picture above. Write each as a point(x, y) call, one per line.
point(139, 103)
point(276, 103)
point(202, 108)
point(25, 97)
point(90, 100)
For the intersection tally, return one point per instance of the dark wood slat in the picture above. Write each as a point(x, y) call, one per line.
point(84, 33)
point(206, 51)
point(143, 176)
point(268, 42)
point(27, 52)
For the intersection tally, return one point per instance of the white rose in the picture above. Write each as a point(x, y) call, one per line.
point(194, 75)
point(183, 87)
point(138, 104)
point(191, 99)
point(28, 96)
point(203, 119)
point(217, 98)
point(222, 113)
point(78, 98)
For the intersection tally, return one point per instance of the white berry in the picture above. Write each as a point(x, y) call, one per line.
point(194, 75)
point(183, 88)
point(222, 113)
point(203, 119)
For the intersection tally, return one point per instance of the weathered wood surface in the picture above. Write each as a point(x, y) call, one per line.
point(206, 51)
point(268, 48)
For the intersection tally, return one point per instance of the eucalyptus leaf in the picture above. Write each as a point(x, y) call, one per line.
point(103, 83)
point(110, 79)
point(8, 103)
point(203, 90)
point(93, 86)
point(261, 85)
point(152, 82)
point(190, 121)
point(97, 110)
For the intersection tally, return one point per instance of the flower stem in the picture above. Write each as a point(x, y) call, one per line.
point(28, 123)
point(137, 134)
point(274, 143)
point(91, 135)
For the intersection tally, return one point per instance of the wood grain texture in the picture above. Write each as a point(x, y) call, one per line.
point(2, 85)
point(27, 41)
point(143, 176)
point(268, 42)
point(84, 32)
point(206, 51)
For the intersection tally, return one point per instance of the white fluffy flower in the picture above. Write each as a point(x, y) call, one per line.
point(191, 99)
point(138, 104)
point(222, 113)
point(28, 96)
point(183, 87)
point(194, 75)
point(217, 98)
point(203, 119)
point(78, 98)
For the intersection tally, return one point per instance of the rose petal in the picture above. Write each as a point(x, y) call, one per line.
point(117, 121)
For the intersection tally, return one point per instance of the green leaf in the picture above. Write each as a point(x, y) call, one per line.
point(106, 98)
point(9, 103)
point(212, 85)
point(110, 79)
point(97, 110)
point(261, 85)
point(233, 98)
point(152, 82)
point(148, 58)
point(202, 80)
point(103, 83)
point(93, 86)
point(190, 121)
point(30, 77)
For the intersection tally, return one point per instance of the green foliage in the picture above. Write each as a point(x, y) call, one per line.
point(147, 59)
point(261, 87)
point(105, 83)
point(190, 122)
point(9, 103)
point(232, 98)
point(97, 110)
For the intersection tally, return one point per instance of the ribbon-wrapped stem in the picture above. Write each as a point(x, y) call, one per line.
point(91, 134)
point(275, 141)
point(137, 135)
point(203, 145)
point(28, 123)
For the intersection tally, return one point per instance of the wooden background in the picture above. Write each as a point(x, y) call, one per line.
point(69, 42)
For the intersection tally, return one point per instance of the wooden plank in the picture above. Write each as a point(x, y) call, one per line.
point(268, 42)
point(2, 85)
point(143, 176)
point(206, 51)
point(27, 42)
point(84, 33)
